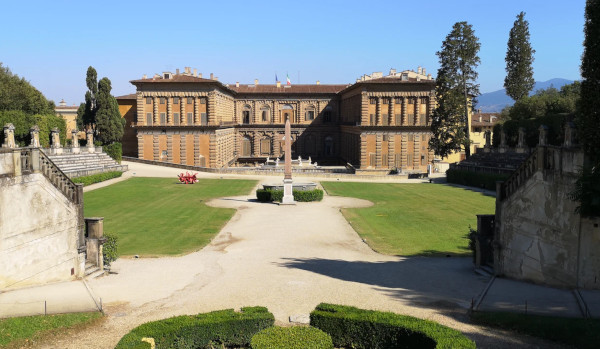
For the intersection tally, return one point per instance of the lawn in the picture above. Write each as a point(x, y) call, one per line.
point(414, 219)
point(16, 331)
point(159, 216)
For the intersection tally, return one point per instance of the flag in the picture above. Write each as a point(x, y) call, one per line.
point(288, 80)
point(276, 77)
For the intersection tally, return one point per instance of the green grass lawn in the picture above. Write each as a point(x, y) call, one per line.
point(414, 219)
point(21, 330)
point(580, 333)
point(159, 216)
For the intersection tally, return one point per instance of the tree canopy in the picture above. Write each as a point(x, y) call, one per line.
point(18, 94)
point(456, 90)
point(519, 59)
point(544, 103)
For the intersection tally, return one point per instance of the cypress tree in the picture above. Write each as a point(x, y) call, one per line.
point(109, 123)
point(455, 90)
point(519, 59)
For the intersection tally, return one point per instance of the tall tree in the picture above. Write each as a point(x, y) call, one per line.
point(18, 94)
point(86, 114)
point(455, 90)
point(519, 59)
point(109, 123)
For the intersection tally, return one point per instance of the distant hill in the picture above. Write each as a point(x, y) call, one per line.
point(494, 102)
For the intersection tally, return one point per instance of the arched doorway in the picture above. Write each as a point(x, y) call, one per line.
point(287, 112)
point(246, 114)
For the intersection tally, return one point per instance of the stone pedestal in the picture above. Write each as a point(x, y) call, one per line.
point(288, 194)
point(55, 147)
point(95, 239)
point(35, 136)
point(75, 142)
point(9, 136)
point(90, 141)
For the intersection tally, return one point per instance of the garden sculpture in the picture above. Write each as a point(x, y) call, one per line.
point(187, 178)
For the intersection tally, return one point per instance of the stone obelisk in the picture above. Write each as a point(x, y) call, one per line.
point(288, 196)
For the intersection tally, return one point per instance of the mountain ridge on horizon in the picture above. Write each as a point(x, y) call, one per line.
point(495, 101)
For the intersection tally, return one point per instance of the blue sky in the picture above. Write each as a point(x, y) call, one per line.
point(51, 43)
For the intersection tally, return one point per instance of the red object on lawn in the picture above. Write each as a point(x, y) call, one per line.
point(187, 178)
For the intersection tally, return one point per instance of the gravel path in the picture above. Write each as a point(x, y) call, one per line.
point(289, 259)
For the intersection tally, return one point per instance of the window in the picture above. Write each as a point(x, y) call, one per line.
point(384, 159)
point(398, 100)
point(411, 119)
point(372, 159)
point(423, 100)
point(398, 161)
point(202, 100)
point(264, 116)
point(411, 138)
point(163, 118)
point(371, 119)
point(386, 101)
point(175, 100)
point(310, 115)
point(265, 146)
point(203, 119)
point(372, 100)
point(189, 100)
point(384, 119)
point(148, 100)
point(411, 101)
point(190, 118)
point(246, 117)
point(162, 100)
point(246, 147)
point(327, 116)
point(398, 119)
point(176, 119)
point(149, 119)
point(422, 120)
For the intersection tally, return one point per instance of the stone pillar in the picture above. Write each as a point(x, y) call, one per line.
point(378, 157)
point(570, 134)
point(170, 148)
point(364, 111)
point(418, 111)
point(488, 141)
point(9, 136)
point(288, 196)
point(55, 147)
point(155, 111)
point(378, 111)
point(521, 141)
point(34, 132)
point(502, 147)
point(182, 114)
point(95, 232)
point(196, 111)
point(170, 111)
point(140, 115)
point(140, 139)
point(74, 141)
point(90, 141)
point(183, 149)
point(391, 150)
point(392, 107)
point(404, 111)
point(404, 150)
point(543, 140)
point(430, 108)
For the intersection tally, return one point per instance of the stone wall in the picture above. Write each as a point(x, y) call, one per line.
point(539, 237)
point(40, 227)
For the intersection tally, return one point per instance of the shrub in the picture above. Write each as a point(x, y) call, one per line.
point(351, 327)
point(110, 248)
point(475, 179)
point(225, 328)
point(267, 195)
point(291, 338)
point(97, 178)
point(115, 151)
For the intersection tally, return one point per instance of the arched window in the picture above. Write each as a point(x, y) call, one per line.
point(246, 147)
point(309, 115)
point(265, 146)
point(246, 114)
point(287, 111)
point(328, 146)
point(265, 114)
point(327, 114)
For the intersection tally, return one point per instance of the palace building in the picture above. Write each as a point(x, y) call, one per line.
point(377, 123)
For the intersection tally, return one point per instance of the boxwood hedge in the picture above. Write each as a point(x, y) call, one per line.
point(268, 195)
point(97, 178)
point(218, 328)
point(296, 337)
point(351, 327)
point(475, 179)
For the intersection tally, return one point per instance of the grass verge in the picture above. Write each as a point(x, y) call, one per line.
point(580, 333)
point(159, 216)
point(97, 178)
point(413, 219)
point(22, 330)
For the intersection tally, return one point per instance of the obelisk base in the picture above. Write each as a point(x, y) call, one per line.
point(288, 194)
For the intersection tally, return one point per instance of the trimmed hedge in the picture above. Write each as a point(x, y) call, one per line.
point(351, 327)
point(475, 179)
point(115, 151)
point(97, 178)
point(268, 195)
point(110, 248)
point(296, 337)
point(218, 328)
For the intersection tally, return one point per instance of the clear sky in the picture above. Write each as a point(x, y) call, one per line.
point(51, 43)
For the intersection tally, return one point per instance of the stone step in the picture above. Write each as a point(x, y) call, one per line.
point(98, 273)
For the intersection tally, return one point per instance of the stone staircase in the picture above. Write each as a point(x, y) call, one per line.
point(93, 271)
point(85, 164)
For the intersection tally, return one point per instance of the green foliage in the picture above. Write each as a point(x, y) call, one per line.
point(546, 102)
point(32, 328)
point(110, 248)
point(475, 179)
point(268, 195)
point(579, 333)
point(23, 122)
point(472, 237)
point(455, 84)
point(588, 120)
point(351, 327)
point(97, 178)
point(224, 328)
point(555, 123)
point(296, 337)
point(159, 216)
point(114, 150)
point(18, 94)
point(519, 59)
point(496, 137)
point(587, 191)
point(413, 219)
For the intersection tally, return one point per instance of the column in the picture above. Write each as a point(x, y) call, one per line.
point(155, 110)
point(156, 155)
point(182, 149)
point(140, 139)
point(364, 110)
point(404, 151)
point(256, 141)
point(404, 114)
point(182, 114)
point(391, 150)
point(418, 111)
point(170, 147)
point(378, 139)
point(196, 110)
point(254, 113)
point(430, 106)
point(378, 112)
point(391, 111)
point(417, 151)
point(364, 161)
point(140, 103)
point(170, 111)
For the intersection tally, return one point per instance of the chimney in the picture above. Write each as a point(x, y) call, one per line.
point(429, 77)
point(188, 70)
point(278, 84)
point(479, 118)
point(195, 72)
point(216, 78)
point(212, 76)
point(424, 72)
point(237, 84)
point(144, 76)
point(200, 75)
point(318, 82)
point(62, 103)
point(392, 71)
point(419, 70)
point(255, 81)
point(177, 71)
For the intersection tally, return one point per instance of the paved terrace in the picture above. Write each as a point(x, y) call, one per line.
point(289, 259)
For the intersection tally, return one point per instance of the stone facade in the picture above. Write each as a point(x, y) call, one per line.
point(374, 124)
